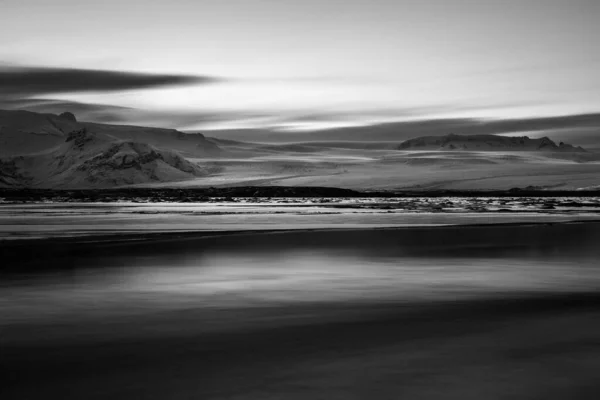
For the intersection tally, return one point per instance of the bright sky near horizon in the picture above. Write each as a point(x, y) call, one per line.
point(316, 63)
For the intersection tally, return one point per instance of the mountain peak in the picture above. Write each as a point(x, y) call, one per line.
point(69, 116)
point(454, 142)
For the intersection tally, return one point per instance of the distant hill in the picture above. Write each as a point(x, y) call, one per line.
point(46, 150)
point(454, 142)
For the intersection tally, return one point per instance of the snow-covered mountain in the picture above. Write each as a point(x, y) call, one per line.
point(454, 142)
point(46, 150)
point(57, 151)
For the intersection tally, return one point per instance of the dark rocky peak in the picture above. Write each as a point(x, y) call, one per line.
point(68, 116)
point(546, 142)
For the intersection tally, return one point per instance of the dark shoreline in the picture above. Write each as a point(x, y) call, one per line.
point(228, 193)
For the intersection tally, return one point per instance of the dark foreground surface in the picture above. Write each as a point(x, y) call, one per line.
point(426, 313)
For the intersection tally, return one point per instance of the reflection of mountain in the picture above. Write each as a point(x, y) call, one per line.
point(485, 143)
point(57, 151)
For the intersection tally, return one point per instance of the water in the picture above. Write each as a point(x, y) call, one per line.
point(259, 270)
point(306, 314)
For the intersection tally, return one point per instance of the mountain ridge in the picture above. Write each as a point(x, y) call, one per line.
point(455, 142)
point(79, 154)
point(59, 152)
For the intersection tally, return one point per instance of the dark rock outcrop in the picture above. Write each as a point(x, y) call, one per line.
point(79, 137)
point(68, 116)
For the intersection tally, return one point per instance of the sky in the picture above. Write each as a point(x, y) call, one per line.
point(299, 65)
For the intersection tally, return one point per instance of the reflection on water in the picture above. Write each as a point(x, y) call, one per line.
point(306, 314)
point(295, 267)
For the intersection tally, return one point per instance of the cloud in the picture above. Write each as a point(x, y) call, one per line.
point(380, 124)
point(104, 113)
point(19, 82)
point(581, 129)
point(112, 114)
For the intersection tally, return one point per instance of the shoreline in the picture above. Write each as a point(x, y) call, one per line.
point(205, 194)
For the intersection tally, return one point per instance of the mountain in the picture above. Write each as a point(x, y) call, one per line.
point(24, 132)
point(60, 152)
point(46, 150)
point(454, 142)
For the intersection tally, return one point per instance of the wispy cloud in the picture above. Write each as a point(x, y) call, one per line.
point(21, 82)
point(576, 129)
point(112, 114)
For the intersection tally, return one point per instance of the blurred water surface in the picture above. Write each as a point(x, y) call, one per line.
point(452, 312)
point(262, 269)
